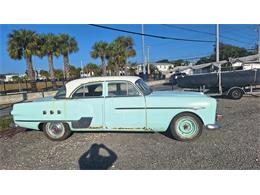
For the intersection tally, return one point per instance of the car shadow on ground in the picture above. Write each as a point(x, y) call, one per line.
point(98, 157)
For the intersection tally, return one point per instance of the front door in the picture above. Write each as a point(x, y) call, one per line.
point(124, 107)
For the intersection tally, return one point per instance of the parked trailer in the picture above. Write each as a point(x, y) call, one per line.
point(234, 83)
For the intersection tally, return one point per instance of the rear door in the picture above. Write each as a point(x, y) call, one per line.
point(86, 106)
point(124, 107)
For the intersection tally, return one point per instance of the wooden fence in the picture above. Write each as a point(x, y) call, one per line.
point(9, 87)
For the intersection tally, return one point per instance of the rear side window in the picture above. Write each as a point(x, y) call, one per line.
point(61, 93)
point(121, 89)
point(90, 90)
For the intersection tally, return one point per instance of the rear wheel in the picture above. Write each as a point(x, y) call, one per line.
point(236, 93)
point(56, 131)
point(186, 127)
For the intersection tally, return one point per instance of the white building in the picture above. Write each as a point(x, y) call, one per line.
point(247, 62)
point(250, 65)
point(162, 67)
point(9, 77)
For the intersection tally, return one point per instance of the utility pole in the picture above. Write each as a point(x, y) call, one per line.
point(217, 59)
point(82, 73)
point(259, 42)
point(143, 54)
point(148, 59)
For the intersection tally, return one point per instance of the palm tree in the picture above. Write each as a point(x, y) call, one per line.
point(49, 47)
point(127, 43)
point(99, 50)
point(24, 44)
point(92, 69)
point(66, 46)
point(116, 56)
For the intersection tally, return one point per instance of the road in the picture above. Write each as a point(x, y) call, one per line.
point(235, 146)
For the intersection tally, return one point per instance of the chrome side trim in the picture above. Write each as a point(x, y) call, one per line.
point(149, 108)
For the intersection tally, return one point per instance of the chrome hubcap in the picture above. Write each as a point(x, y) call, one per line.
point(236, 94)
point(55, 129)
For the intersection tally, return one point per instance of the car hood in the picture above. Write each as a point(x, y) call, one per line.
point(176, 94)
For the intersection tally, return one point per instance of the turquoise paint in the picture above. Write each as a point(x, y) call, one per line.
point(159, 119)
point(107, 117)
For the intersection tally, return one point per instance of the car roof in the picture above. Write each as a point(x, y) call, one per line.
point(71, 85)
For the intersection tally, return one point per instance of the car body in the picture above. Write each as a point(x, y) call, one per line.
point(120, 103)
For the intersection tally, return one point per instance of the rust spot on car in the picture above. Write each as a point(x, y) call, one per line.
point(133, 129)
point(95, 127)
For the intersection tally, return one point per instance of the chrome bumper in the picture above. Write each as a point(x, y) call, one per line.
point(213, 126)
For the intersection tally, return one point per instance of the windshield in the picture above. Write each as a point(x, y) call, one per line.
point(61, 93)
point(146, 90)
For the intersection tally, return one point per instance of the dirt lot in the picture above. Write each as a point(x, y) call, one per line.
point(235, 146)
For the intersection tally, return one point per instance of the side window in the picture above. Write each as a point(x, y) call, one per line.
point(132, 91)
point(121, 89)
point(80, 93)
point(117, 89)
point(90, 90)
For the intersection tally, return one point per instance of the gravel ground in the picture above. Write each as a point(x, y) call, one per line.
point(235, 146)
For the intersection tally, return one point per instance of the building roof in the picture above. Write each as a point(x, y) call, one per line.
point(162, 63)
point(71, 85)
point(246, 58)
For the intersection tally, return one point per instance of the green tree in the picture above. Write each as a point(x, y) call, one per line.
point(49, 47)
point(116, 56)
point(16, 79)
point(45, 73)
point(92, 69)
point(153, 68)
point(226, 51)
point(74, 72)
point(180, 62)
point(132, 71)
point(163, 61)
point(24, 78)
point(58, 73)
point(24, 44)
point(2, 77)
point(66, 46)
point(100, 50)
point(127, 44)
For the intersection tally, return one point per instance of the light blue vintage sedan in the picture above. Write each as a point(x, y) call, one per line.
point(117, 104)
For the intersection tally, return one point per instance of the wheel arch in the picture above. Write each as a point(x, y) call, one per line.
point(40, 126)
point(235, 87)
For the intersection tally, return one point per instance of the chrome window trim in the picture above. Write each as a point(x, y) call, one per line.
point(89, 83)
point(125, 81)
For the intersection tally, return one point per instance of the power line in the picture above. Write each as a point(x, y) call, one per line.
point(241, 33)
point(153, 36)
point(184, 57)
point(189, 29)
point(208, 33)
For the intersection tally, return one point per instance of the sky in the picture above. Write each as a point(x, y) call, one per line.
point(240, 35)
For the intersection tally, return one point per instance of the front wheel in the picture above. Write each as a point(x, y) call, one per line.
point(186, 127)
point(56, 131)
